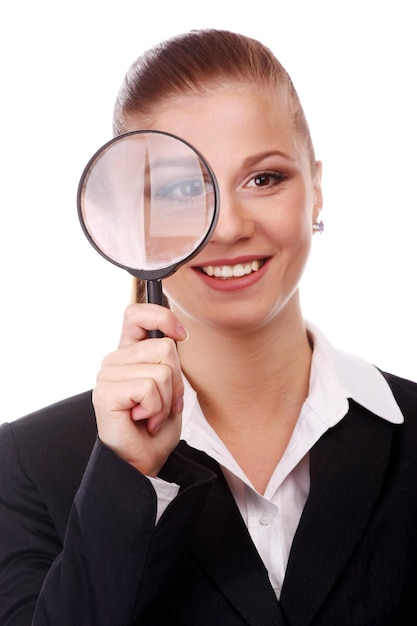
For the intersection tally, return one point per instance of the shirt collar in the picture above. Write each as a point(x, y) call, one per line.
point(337, 376)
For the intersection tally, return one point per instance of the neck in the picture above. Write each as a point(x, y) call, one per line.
point(251, 387)
point(268, 368)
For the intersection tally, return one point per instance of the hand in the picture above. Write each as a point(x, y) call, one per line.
point(138, 398)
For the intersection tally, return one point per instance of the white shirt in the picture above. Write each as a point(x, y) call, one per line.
point(272, 518)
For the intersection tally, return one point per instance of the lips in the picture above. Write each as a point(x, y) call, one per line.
point(227, 272)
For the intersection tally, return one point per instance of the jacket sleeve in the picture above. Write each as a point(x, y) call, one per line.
point(28, 540)
point(115, 564)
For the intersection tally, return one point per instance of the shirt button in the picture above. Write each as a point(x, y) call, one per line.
point(265, 518)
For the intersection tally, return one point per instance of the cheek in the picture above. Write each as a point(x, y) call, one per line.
point(289, 223)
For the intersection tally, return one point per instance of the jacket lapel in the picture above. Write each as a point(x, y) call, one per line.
point(347, 467)
point(224, 550)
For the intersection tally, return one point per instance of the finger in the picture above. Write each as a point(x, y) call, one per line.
point(152, 351)
point(134, 440)
point(141, 318)
point(140, 383)
point(141, 360)
point(115, 400)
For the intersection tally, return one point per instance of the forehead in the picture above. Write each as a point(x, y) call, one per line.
point(212, 103)
point(238, 116)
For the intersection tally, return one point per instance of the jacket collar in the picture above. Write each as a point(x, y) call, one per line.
point(337, 511)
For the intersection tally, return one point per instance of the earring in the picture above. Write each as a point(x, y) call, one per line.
point(318, 227)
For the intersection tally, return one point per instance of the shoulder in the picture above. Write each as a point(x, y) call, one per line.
point(48, 450)
point(64, 424)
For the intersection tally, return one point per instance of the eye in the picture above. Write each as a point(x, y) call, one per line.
point(180, 189)
point(266, 179)
point(192, 188)
point(187, 189)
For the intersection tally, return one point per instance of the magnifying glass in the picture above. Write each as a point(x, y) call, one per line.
point(148, 202)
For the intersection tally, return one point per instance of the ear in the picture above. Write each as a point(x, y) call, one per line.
point(318, 194)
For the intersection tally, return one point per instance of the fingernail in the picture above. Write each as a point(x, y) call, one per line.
point(178, 405)
point(182, 332)
point(157, 428)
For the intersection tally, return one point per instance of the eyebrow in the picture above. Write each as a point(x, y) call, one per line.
point(255, 158)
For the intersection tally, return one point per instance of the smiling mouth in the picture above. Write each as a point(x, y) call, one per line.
point(226, 272)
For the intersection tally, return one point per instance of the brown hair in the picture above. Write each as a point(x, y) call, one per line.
point(195, 62)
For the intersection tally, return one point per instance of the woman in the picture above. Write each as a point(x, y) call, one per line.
point(239, 470)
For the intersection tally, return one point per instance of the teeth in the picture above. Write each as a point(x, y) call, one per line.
point(232, 271)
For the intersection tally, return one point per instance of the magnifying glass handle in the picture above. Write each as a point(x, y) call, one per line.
point(154, 296)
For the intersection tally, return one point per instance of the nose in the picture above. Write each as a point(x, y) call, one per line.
point(234, 221)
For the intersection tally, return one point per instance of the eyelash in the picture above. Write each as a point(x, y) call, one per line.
point(169, 191)
point(273, 177)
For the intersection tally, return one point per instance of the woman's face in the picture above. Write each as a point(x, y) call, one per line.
point(248, 273)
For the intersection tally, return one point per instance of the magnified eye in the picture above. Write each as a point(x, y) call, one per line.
point(183, 190)
point(189, 188)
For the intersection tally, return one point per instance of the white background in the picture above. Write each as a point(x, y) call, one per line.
point(354, 66)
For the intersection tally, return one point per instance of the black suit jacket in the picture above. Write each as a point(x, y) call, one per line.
point(78, 535)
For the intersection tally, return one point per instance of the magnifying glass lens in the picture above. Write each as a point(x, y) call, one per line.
point(147, 202)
